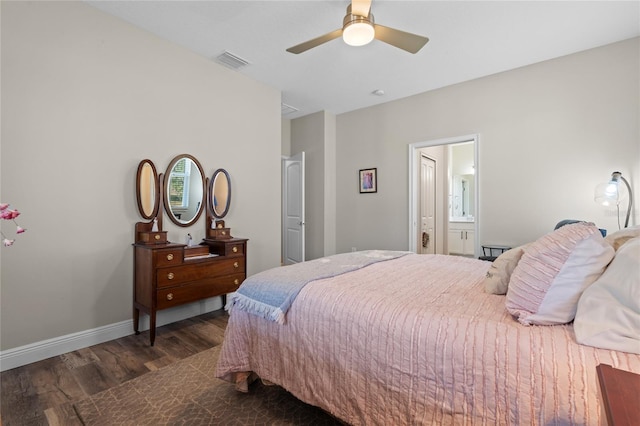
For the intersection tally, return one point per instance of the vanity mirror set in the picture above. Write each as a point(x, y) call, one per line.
point(185, 194)
point(170, 274)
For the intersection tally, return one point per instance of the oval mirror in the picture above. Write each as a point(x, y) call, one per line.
point(220, 193)
point(184, 190)
point(147, 189)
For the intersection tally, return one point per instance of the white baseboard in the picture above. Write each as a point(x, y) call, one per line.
point(38, 351)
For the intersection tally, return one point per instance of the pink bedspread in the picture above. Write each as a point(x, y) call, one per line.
point(416, 340)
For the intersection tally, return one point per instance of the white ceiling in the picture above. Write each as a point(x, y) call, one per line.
point(468, 39)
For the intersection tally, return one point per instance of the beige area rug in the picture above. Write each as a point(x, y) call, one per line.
point(187, 393)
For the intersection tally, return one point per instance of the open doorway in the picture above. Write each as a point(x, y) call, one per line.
point(448, 215)
point(293, 211)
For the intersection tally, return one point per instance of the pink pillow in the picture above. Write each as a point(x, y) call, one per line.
point(554, 271)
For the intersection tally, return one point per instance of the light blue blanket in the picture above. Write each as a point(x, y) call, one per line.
point(269, 294)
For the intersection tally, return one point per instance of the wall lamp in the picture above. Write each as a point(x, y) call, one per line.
point(609, 194)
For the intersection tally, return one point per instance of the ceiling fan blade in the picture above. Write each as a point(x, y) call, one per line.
point(403, 40)
point(302, 47)
point(360, 7)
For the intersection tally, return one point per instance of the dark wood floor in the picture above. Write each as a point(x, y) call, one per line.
point(42, 393)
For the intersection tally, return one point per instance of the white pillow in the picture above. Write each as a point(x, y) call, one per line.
point(618, 238)
point(499, 273)
point(554, 271)
point(608, 313)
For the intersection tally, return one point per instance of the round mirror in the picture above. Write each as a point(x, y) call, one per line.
point(220, 193)
point(184, 190)
point(147, 190)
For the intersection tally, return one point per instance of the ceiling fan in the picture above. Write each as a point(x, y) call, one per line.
point(358, 29)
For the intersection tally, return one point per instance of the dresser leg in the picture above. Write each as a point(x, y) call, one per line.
point(152, 328)
point(136, 320)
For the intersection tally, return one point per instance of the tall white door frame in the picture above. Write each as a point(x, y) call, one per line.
point(293, 214)
point(414, 185)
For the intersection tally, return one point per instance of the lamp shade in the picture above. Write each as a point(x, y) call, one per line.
point(608, 194)
point(614, 192)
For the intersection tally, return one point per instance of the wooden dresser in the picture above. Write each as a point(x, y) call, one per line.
point(168, 274)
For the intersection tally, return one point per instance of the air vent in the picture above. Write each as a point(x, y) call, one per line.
point(288, 109)
point(232, 61)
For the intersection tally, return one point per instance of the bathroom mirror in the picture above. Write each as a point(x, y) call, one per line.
point(184, 184)
point(461, 196)
point(147, 189)
point(463, 181)
point(220, 193)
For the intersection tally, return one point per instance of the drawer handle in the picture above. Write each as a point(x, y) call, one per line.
point(157, 236)
point(170, 275)
point(170, 296)
point(236, 281)
point(235, 264)
point(234, 249)
point(170, 256)
point(224, 232)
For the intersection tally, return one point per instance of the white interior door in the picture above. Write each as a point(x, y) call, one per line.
point(293, 209)
point(427, 238)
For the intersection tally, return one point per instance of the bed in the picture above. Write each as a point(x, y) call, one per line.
point(419, 339)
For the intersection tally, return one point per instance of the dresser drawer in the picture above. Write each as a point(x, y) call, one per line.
point(191, 272)
point(234, 249)
point(228, 248)
point(172, 296)
point(169, 257)
point(229, 283)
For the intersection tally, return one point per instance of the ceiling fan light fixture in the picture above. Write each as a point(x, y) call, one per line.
point(357, 30)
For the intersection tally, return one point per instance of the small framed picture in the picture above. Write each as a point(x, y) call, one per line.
point(368, 180)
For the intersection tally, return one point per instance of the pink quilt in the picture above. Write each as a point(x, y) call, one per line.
point(416, 340)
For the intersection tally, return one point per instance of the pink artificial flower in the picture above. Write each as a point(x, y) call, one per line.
point(9, 214)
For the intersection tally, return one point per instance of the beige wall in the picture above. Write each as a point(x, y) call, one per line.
point(85, 97)
point(286, 137)
point(315, 134)
point(308, 134)
point(549, 133)
point(329, 212)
